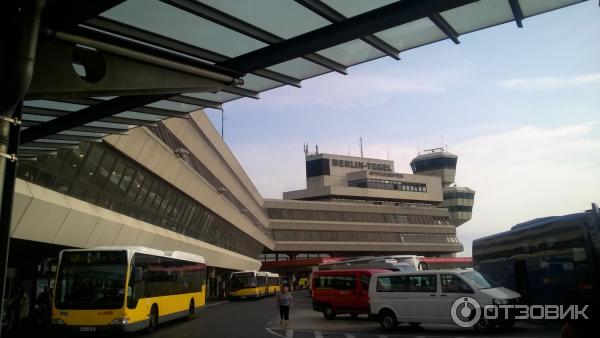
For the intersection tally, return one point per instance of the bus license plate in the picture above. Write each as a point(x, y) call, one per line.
point(87, 329)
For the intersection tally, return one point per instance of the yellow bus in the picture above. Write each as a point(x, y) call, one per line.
point(126, 288)
point(253, 284)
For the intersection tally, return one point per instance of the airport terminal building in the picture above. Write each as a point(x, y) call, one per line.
point(176, 185)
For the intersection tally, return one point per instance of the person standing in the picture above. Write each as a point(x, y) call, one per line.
point(24, 308)
point(285, 302)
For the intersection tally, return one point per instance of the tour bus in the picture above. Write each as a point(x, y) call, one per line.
point(126, 288)
point(253, 284)
point(337, 292)
point(547, 260)
point(428, 297)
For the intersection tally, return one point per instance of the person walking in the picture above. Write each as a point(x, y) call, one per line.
point(285, 302)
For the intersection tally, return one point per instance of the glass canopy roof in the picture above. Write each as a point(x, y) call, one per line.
point(223, 32)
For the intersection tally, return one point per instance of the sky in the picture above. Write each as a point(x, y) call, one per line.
point(520, 107)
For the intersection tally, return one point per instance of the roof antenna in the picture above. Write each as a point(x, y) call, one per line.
point(361, 148)
point(305, 149)
point(316, 149)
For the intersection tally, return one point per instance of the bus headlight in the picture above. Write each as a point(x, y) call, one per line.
point(500, 301)
point(119, 321)
point(57, 321)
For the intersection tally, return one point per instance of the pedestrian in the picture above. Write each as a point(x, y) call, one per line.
point(285, 302)
point(13, 306)
point(24, 307)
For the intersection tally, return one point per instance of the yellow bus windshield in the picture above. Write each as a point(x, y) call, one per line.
point(91, 280)
point(243, 280)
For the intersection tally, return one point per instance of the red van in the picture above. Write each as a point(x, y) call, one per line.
point(337, 292)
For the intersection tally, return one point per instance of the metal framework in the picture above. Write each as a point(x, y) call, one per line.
point(334, 16)
point(379, 19)
point(231, 22)
point(44, 42)
point(150, 38)
point(87, 115)
point(515, 7)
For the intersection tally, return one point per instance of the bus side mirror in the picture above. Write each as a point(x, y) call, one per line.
point(137, 274)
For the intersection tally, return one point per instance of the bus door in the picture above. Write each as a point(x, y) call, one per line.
point(521, 278)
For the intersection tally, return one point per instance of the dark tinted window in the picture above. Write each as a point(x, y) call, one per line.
point(364, 282)
point(91, 280)
point(434, 163)
point(317, 167)
point(453, 284)
point(465, 208)
point(345, 282)
point(392, 284)
point(163, 276)
point(424, 283)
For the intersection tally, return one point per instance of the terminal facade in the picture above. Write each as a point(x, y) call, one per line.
point(177, 186)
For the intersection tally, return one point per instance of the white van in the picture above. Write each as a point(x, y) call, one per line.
point(427, 297)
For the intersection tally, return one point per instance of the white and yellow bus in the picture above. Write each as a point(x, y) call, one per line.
point(253, 284)
point(126, 288)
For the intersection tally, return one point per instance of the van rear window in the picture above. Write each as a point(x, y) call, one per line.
point(336, 282)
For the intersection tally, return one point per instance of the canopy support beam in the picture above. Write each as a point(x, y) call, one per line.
point(87, 115)
point(329, 13)
point(224, 19)
point(382, 18)
point(517, 12)
point(445, 27)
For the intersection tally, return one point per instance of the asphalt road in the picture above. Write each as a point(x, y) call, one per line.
point(249, 319)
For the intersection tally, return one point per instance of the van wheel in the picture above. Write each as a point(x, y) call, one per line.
point(191, 310)
point(388, 320)
point(484, 325)
point(328, 312)
point(153, 319)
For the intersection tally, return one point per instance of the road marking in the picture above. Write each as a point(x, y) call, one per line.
point(274, 333)
point(272, 322)
point(318, 334)
point(349, 335)
point(289, 333)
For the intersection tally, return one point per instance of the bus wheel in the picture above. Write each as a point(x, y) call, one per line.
point(328, 312)
point(153, 319)
point(191, 310)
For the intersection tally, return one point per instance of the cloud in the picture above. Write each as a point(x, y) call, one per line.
point(357, 89)
point(551, 83)
point(528, 172)
point(519, 173)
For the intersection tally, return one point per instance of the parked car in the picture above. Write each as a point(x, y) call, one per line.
point(427, 297)
point(337, 292)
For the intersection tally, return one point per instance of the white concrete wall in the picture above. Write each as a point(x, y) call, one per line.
point(44, 215)
point(210, 149)
point(149, 151)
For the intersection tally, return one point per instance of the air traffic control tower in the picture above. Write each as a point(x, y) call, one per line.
point(440, 163)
